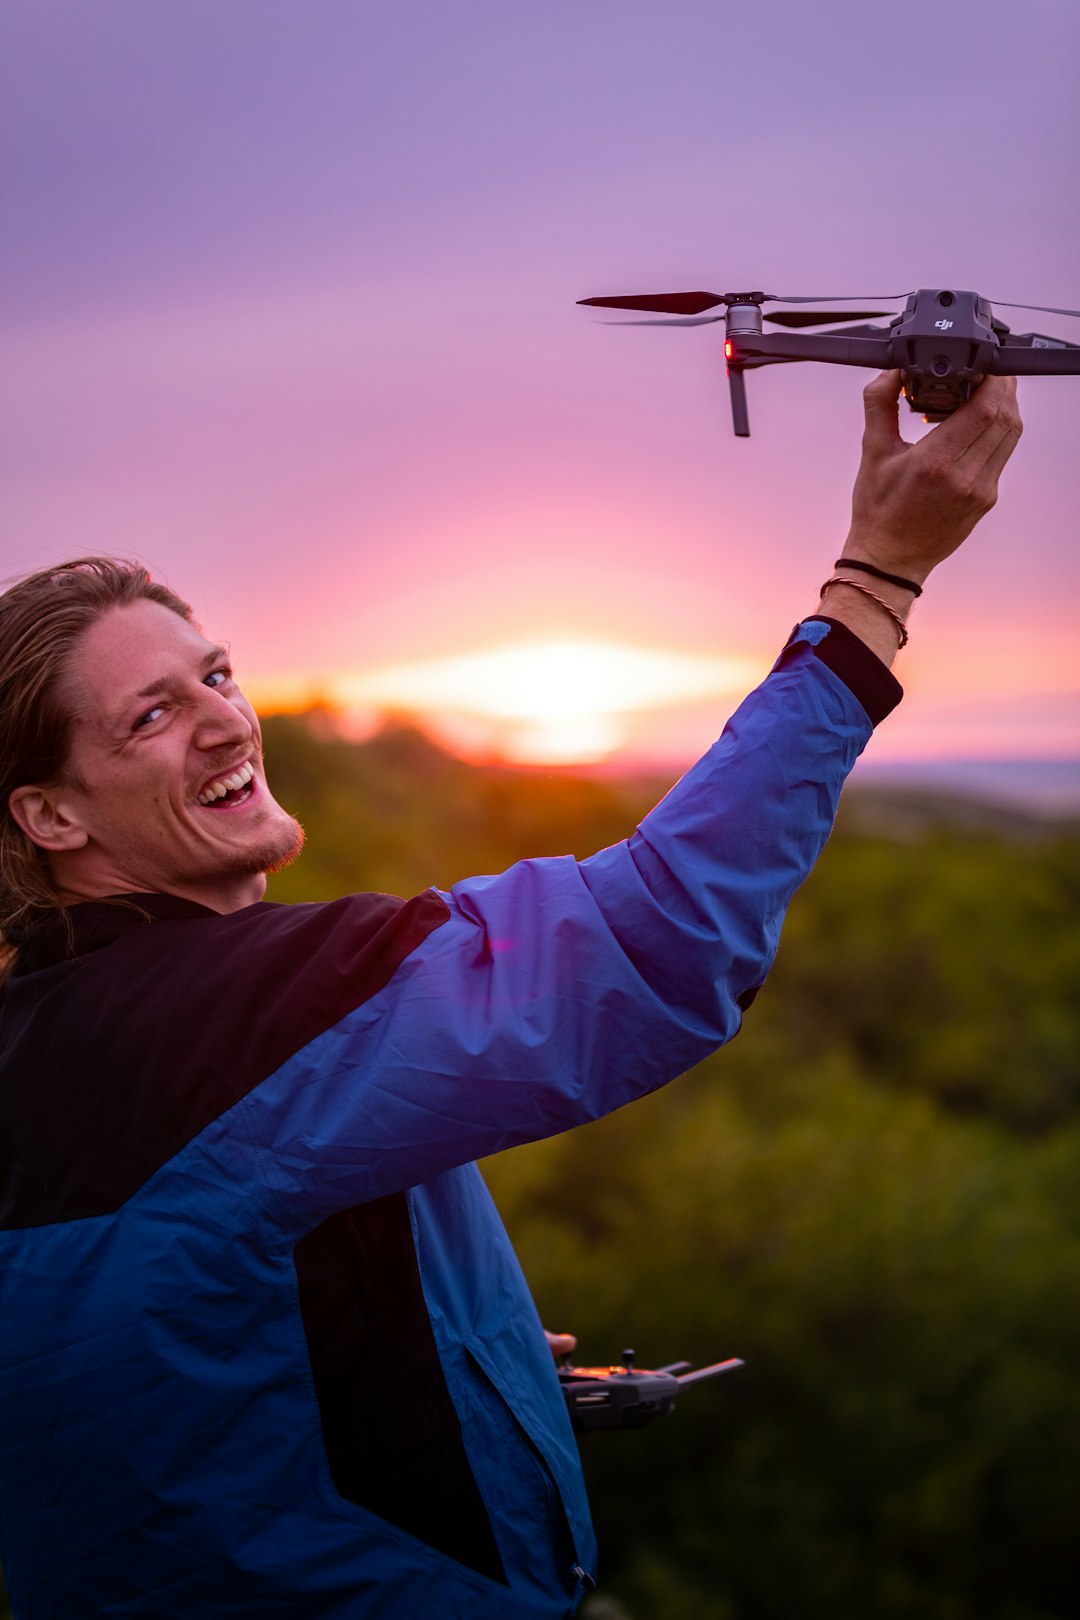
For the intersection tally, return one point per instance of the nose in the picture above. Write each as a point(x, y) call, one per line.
point(222, 722)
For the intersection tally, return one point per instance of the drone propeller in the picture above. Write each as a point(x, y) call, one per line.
point(801, 317)
point(785, 317)
point(1043, 308)
point(695, 303)
point(687, 303)
point(690, 320)
point(869, 330)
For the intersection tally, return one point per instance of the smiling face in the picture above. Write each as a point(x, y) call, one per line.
point(164, 789)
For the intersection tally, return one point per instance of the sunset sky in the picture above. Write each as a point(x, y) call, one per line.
point(289, 312)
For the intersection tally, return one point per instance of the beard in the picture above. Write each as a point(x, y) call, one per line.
point(288, 850)
point(276, 850)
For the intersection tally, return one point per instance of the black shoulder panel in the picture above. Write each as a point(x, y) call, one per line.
point(167, 1014)
point(393, 1439)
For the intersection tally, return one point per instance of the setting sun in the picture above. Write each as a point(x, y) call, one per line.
point(556, 701)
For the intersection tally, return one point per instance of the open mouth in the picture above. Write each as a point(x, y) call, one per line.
point(226, 792)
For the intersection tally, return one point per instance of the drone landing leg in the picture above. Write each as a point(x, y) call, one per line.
point(740, 416)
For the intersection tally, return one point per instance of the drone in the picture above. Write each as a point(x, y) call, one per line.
point(943, 344)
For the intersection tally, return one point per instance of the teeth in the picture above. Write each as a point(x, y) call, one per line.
point(226, 784)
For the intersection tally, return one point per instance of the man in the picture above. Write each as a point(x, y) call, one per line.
point(265, 1346)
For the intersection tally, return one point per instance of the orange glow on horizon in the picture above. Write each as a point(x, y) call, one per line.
point(554, 701)
point(572, 701)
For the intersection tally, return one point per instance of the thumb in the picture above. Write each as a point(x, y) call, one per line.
point(560, 1344)
point(881, 401)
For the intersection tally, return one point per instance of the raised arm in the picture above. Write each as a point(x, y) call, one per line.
point(561, 989)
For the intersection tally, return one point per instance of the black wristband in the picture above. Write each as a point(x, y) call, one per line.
point(879, 573)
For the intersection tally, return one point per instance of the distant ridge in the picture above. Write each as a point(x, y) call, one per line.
point(1037, 786)
point(1040, 787)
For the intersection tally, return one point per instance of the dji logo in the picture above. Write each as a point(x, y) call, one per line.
point(943, 326)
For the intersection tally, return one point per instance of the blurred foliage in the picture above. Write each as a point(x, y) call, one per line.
point(872, 1195)
point(398, 813)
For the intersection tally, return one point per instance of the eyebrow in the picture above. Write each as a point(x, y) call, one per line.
point(212, 656)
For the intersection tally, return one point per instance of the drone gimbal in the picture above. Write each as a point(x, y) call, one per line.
point(944, 343)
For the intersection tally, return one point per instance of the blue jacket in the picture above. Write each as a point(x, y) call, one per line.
point(266, 1349)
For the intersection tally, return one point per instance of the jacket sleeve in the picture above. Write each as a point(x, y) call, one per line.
point(561, 989)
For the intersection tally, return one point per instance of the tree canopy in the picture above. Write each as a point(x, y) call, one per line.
point(872, 1195)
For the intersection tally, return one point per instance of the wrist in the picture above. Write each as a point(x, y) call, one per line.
point(849, 567)
point(873, 610)
point(865, 547)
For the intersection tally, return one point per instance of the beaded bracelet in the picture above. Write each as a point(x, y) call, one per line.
point(879, 573)
point(864, 590)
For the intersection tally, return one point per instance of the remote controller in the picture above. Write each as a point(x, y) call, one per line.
point(626, 1396)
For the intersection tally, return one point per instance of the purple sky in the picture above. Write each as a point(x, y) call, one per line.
point(289, 312)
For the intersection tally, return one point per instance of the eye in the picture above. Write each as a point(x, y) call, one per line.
point(218, 677)
point(149, 717)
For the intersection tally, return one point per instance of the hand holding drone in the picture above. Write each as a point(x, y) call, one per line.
point(943, 344)
point(914, 504)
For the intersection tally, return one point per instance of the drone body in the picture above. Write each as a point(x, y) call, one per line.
point(943, 343)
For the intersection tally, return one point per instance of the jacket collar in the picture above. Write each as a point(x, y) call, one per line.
point(78, 930)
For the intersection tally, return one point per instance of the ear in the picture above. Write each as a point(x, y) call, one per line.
point(46, 819)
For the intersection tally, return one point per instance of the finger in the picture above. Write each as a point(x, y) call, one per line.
point(881, 402)
point(1006, 425)
point(995, 462)
point(966, 424)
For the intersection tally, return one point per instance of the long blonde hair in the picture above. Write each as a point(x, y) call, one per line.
point(42, 618)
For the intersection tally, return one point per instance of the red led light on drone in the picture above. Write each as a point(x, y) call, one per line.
point(729, 349)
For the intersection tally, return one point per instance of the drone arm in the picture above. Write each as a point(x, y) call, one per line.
point(1049, 358)
point(748, 350)
point(836, 347)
